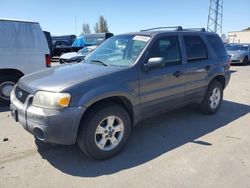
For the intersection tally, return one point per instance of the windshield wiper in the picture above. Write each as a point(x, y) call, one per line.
point(98, 61)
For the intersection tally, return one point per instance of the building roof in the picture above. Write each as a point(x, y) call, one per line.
point(244, 30)
point(247, 29)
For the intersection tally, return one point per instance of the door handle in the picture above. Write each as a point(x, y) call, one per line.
point(208, 67)
point(178, 73)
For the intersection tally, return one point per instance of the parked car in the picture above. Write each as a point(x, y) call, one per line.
point(239, 53)
point(127, 79)
point(24, 50)
point(76, 56)
point(62, 44)
point(90, 40)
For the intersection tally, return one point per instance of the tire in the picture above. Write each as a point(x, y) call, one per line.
point(245, 60)
point(96, 143)
point(5, 84)
point(212, 102)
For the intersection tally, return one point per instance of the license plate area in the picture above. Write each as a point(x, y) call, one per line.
point(14, 113)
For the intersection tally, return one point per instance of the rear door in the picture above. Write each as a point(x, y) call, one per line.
point(161, 88)
point(198, 65)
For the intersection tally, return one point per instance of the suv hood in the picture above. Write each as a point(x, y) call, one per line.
point(57, 78)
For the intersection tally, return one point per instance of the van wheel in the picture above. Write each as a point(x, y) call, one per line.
point(212, 99)
point(104, 131)
point(6, 85)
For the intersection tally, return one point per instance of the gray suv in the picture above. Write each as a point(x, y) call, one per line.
point(129, 78)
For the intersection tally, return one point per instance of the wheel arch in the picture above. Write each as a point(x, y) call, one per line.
point(14, 72)
point(221, 79)
point(119, 100)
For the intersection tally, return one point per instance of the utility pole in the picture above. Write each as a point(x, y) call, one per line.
point(215, 15)
point(75, 27)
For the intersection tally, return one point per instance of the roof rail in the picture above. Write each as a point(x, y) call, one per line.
point(178, 28)
point(195, 29)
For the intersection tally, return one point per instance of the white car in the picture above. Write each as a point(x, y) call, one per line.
point(76, 56)
point(23, 49)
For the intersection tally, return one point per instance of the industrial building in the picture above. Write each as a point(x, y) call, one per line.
point(239, 36)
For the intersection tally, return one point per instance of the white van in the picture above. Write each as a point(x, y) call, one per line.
point(23, 49)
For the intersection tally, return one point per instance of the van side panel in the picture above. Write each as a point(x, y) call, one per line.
point(23, 46)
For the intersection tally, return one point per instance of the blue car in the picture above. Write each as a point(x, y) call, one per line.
point(90, 39)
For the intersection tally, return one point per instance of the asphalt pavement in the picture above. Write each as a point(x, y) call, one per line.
point(182, 148)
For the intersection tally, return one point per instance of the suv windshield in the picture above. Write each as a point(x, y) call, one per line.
point(236, 47)
point(120, 50)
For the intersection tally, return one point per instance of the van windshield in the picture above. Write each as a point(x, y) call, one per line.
point(120, 50)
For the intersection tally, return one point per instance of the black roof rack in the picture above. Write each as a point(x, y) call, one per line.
point(195, 29)
point(178, 28)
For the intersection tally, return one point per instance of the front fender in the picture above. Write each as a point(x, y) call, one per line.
point(105, 91)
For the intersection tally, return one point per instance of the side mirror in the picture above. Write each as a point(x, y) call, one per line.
point(154, 62)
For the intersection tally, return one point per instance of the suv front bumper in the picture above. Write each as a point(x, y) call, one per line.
point(59, 126)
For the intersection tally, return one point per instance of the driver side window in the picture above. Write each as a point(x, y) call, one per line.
point(167, 47)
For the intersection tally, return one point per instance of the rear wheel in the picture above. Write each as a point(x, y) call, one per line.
point(104, 131)
point(6, 85)
point(212, 99)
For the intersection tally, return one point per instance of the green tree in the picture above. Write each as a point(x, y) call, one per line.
point(86, 29)
point(101, 26)
point(96, 28)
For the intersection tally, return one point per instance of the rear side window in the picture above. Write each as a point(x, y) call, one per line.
point(217, 45)
point(195, 48)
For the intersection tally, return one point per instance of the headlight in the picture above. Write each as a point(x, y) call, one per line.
point(51, 100)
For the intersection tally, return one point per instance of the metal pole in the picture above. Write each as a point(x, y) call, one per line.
point(75, 26)
point(216, 15)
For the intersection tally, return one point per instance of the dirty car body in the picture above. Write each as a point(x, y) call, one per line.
point(126, 70)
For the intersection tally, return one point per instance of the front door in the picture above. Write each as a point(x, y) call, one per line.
point(162, 87)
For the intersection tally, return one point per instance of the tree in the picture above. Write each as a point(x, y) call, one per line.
point(96, 28)
point(101, 26)
point(86, 29)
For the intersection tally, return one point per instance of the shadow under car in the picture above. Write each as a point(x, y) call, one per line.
point(150, 139)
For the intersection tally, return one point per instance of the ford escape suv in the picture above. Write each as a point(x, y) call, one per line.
point(127, 79)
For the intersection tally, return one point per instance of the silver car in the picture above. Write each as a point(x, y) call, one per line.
point(239, 53)
point(76, 56)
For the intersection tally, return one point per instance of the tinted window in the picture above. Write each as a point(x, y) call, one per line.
point(217, 45)
point(195, 48)
point(168, 48)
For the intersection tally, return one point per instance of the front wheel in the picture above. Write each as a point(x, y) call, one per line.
point(7, 83)
point(213, 98)
point(104, 131)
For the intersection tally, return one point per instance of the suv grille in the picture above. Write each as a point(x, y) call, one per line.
point(21, 95)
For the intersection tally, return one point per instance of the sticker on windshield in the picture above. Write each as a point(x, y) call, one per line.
point(141, 38)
